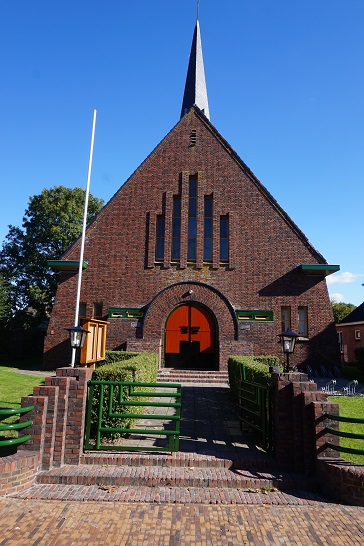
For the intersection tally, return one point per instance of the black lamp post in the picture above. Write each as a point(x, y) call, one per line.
point(288, 341)
point(77, 336)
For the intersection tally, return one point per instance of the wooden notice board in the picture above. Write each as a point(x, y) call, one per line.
point(95, 344)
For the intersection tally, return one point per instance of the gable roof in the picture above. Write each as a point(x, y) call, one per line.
point(357, 315)
point(195, 111)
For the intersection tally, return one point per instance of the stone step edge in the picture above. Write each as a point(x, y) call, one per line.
point(170, 495)
point(174, 477)
point(176, 460)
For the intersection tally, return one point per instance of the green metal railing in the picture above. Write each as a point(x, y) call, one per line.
point(254, 411)
point(110, 400)
point(342, 434)
point(7, 443)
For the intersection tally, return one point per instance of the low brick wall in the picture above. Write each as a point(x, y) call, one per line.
point(18, 471)
point(341, 481)
point(300, 434)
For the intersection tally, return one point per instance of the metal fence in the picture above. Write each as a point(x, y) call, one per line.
point(254, 409)
point(113, 410)
point(341, 434)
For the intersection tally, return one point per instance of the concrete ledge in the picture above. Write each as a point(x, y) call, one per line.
point(18, 471)
point(341, 480)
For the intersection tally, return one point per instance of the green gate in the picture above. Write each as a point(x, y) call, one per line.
point(113, 408)
point(254, 410)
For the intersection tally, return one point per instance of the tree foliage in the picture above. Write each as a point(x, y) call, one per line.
point(341, 310)
point(51, 223)
point(4, 301)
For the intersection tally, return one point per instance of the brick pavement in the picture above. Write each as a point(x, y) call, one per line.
point(51, 523)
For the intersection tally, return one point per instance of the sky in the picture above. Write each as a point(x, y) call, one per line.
point(285, 83)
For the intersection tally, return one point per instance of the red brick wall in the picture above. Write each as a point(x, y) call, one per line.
point(349, 341)
point(265, 248)
point(18, 471)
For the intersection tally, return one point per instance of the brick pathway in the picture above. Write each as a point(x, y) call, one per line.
point(50, 523)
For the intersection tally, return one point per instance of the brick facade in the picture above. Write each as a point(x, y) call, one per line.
point(262, 271)
point(352, 337)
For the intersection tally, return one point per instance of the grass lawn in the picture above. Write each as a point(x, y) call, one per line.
point(13, 386)
point(351, 406)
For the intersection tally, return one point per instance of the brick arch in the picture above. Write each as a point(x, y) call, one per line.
point(172, 296)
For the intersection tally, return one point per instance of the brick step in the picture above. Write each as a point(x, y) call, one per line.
point(192, 376)
point(120, 476)
point(253, 459)
point(170, 495)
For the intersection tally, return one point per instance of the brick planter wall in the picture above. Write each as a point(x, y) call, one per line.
point(341, 481)
point(18, 471)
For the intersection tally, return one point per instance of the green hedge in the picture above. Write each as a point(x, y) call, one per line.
point(118, 356)
point(142, 367)
point(256, 369)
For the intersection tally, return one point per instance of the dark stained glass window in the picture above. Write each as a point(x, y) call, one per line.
point(159, 247)
point(192, 219)
point(176, 229)
point(207, 245)
point(224, 239)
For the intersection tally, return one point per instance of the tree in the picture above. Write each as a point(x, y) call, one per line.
point(4, 301)
point(341, 310)
point(51, 223)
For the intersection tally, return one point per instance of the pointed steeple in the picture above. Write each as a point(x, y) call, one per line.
point(195, 88)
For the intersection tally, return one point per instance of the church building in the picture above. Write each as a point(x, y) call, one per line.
point(195, 260)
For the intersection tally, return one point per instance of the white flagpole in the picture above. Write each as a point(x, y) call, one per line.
point(77, 310)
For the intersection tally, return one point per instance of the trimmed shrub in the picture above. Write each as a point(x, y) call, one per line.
point(142, 367)
point(251, 368)
point(118, 356)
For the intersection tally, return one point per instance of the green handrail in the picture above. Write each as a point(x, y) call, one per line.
point(7, 443)
point(342, 434)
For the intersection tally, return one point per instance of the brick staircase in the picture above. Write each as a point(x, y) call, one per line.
point(174, 478)
point(216, 462)
point(172, 375)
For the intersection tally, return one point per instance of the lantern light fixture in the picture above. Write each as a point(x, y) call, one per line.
point(77, 336)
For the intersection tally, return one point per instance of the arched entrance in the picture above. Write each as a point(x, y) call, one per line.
point(190, 338)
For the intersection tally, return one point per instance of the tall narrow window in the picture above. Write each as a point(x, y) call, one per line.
point(176, 229)
point(82, 309)
point(207, 245)
point(340, 339)
point(285, 318)
point(159, 247)
point(224, 238)
point(192, 219)
point(97, 310)
point(302, 321)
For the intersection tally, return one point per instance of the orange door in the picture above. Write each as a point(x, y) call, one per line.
point(189, 333)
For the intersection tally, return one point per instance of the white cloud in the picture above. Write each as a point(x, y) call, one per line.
point(336, 297)
point(344, 278)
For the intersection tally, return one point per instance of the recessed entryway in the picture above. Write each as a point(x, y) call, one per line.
point(190, 338)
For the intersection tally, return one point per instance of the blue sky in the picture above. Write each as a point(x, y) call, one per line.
point(285, 82)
